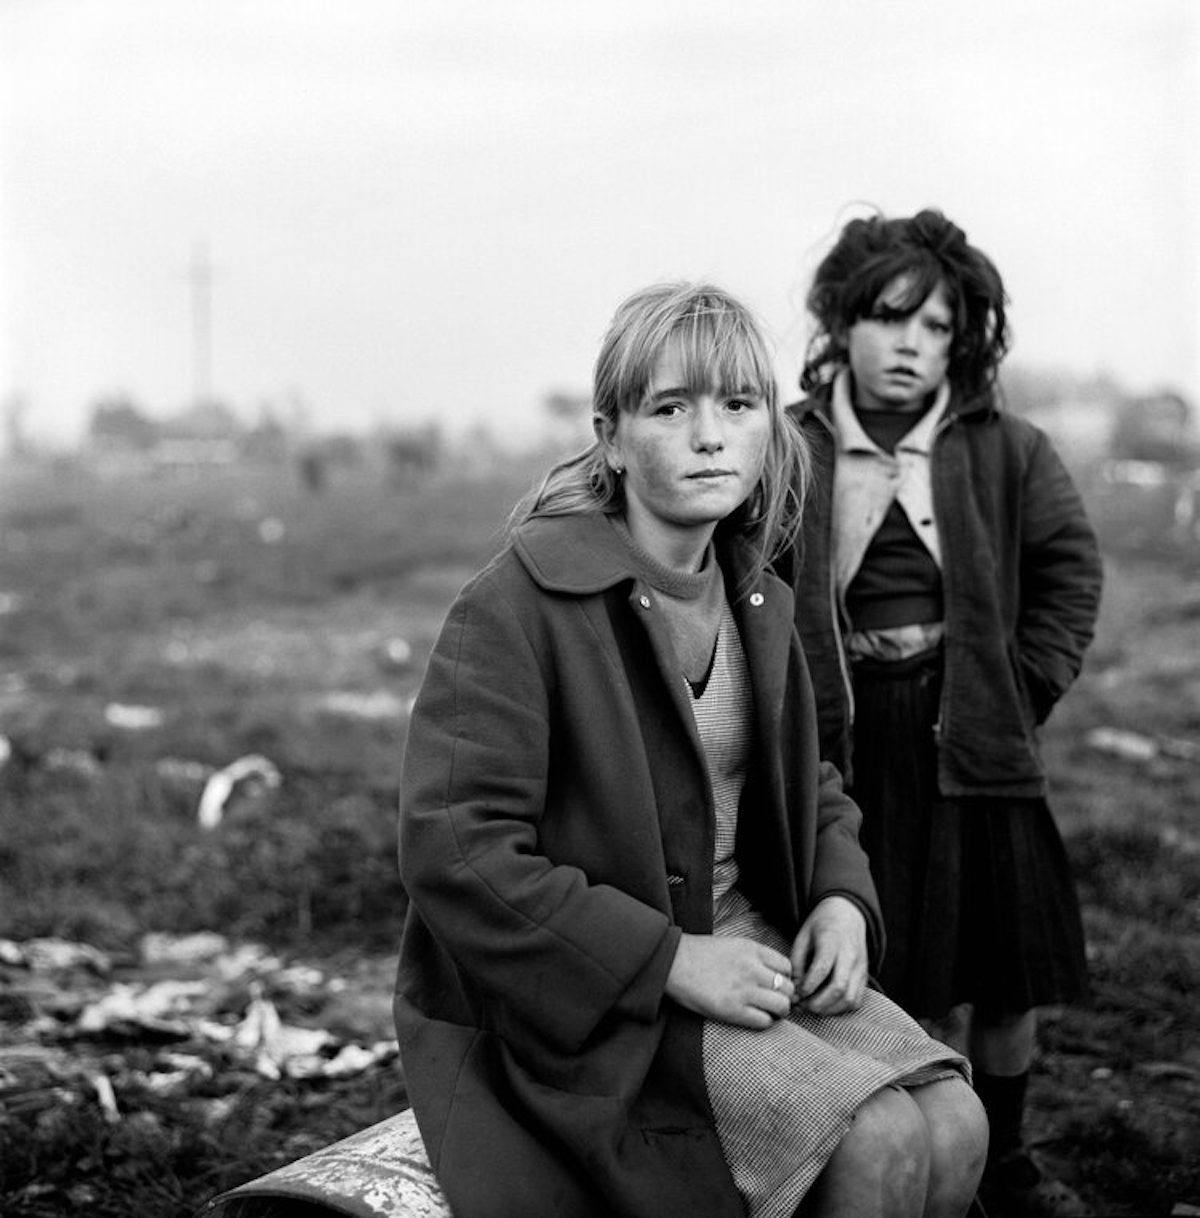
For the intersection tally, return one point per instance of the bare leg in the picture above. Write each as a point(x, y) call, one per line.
point(880, 1168)
point(958, 1138)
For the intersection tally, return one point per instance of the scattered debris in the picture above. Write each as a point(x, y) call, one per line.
point(182, 772)
point(1134, 746)
point(277, 1048)
point(159, 948)
point(106, 1096)
point(1136, 473)
point(1179, 840)
point(50, 955)
point(159, 1009)
point(395, 654)
point(72, 761)
point(1165, 1070)
point(174, 1074)
point(253, 770)
point(133, 718)
point(97, 1037)
point(271, 530)
point(251, 960)
point(1130, 745)
point(381, 704)
point(13, 687)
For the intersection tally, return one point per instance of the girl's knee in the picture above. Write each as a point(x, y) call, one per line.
point(957, 1131)
point(889, 1137)
point(957, 1121)
point(881, 1166)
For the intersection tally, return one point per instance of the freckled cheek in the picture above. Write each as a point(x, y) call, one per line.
point(650, 466)
point(755, 454)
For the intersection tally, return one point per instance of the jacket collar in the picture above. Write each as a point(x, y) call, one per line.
point(853, 438)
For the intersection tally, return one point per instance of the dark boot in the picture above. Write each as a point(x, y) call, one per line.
point(1014, 1185)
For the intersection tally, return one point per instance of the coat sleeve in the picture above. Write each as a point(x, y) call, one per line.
point(556, 952)
point(841, 863)
point(1061, 577)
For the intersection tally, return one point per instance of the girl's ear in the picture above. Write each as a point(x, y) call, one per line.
point(606, 435)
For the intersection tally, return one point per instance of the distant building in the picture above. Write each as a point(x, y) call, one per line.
point(121, 436)
point(207, 433)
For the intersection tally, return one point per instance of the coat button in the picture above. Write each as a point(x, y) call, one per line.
point(644, 601)
point(756, 599)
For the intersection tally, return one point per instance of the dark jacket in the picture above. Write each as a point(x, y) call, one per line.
point(1021, 579)
point(556, 838)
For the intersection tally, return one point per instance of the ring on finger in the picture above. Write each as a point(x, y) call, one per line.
point(777, 981)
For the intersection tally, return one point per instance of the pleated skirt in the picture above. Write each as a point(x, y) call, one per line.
point(977, 893)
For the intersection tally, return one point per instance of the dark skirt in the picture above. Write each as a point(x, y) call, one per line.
point(977, 893)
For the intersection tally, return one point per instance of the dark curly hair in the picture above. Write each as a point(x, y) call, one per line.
point(926, 249)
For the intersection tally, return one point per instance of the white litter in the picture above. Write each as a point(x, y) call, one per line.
point(220, 786)
point(133, 718)
point(381, 704)
point(157, 947)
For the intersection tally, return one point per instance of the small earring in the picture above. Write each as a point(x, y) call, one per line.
point(618, 470)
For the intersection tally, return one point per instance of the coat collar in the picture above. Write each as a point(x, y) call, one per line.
point(817, 405)
point(582, 554)
point(577, 554)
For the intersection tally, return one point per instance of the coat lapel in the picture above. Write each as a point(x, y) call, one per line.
point(766, 851)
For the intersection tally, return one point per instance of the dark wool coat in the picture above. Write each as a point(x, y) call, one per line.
point(1021, 579)
point(556, 838)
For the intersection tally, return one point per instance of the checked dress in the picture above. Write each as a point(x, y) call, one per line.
point(783, 1098)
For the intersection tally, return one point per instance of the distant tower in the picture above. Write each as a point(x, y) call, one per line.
point(200, 277)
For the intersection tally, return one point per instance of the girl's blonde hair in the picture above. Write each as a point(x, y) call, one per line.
point(721, 347)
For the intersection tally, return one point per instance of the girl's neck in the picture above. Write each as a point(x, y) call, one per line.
point(681, 548)
point(672, 580)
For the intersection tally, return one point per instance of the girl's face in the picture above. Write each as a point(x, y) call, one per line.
point(898, 360)
point(690, 456)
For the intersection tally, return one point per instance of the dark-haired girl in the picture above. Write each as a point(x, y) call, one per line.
point(947, 582)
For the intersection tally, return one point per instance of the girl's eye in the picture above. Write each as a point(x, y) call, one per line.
point(668, 409)
point(738, 405)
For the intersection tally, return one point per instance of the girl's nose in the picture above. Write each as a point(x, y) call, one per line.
point(707, 432)
point(907, 332)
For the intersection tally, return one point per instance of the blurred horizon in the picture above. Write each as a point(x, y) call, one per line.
point(379, 216)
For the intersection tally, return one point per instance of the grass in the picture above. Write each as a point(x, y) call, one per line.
point(242, 608)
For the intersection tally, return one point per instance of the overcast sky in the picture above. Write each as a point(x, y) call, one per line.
point(429, 208)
